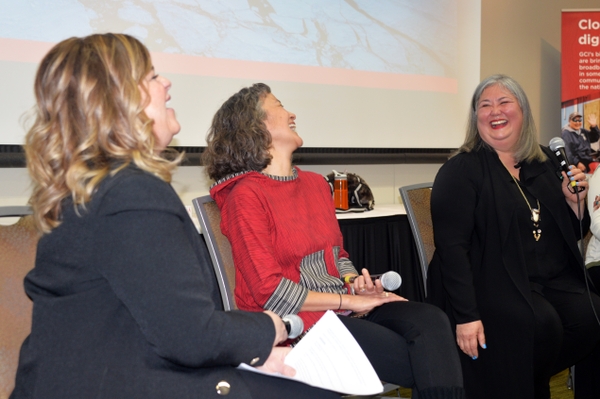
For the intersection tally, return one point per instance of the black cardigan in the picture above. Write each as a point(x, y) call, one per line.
point(126, 304)
point(478, 271)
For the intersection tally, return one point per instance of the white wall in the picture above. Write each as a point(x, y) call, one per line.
point(520, 38)
point(14, 186)
point(191, 182)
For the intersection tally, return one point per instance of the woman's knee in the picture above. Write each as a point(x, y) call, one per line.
point(414, 318)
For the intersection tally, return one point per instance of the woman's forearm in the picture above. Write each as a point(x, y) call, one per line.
point(320, 301)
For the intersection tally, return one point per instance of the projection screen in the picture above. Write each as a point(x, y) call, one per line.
point(357, 73)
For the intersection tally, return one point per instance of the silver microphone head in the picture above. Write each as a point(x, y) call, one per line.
point(294, 325)
point(390, 281)
point(556, 143)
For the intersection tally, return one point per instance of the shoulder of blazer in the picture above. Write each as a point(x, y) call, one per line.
point(134, 189)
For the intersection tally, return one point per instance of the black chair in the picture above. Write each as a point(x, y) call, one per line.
point(219, 248)
point(417, 199)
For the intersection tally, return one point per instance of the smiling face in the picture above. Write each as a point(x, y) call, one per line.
point(499, 118)
point(576, 122)
point(280, 124)
point(165, 123)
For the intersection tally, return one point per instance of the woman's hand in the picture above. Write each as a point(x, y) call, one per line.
point(280, 330)
point(275, 362)
point(368, 295)
point(574, 199)
point(364, 285)
point(469, 336)
point(596, 203)
point(365, 303)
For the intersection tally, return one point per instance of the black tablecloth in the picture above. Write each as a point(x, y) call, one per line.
point(380, 244)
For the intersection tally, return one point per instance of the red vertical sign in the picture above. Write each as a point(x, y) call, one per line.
point(580, 56)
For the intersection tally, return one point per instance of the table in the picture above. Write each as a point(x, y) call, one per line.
point(381, 240)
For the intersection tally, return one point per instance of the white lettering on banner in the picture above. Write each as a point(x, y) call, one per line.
point(586, 24)
point(589, 39)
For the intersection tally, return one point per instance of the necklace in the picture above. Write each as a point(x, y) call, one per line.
point(535, 212)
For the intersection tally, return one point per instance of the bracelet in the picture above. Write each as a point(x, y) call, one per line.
point(339, 307)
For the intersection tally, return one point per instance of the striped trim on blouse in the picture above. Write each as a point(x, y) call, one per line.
point(289, 297)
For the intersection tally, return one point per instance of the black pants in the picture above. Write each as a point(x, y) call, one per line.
point(566, 332)
point(587, 380)
point(265, 387)
point(410, 344)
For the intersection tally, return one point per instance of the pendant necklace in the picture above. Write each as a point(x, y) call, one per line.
point(535, 212)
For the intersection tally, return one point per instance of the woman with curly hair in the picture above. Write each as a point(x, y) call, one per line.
point(288, 252)
point(125, 304)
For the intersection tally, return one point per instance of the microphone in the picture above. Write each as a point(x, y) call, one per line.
point(390, 281)
point(557, 145)
point(293, 324)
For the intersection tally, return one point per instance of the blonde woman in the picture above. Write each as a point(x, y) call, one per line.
point(125, 303)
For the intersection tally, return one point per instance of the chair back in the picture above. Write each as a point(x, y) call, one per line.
point(219, 248)
point(18, 244)
point(417, 199)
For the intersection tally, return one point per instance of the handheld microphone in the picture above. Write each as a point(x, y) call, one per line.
point(390, 281)
point(557, 145)
point(293, 324)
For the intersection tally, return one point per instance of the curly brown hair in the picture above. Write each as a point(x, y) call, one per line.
point(238, 139)
point(89, 117)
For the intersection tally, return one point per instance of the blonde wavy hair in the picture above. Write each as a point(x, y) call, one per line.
point(89, 121)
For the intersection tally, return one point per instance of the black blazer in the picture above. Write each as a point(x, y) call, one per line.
point(126, 304)
point(478, 271)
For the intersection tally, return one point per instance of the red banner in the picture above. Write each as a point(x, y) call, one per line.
point(580, 56)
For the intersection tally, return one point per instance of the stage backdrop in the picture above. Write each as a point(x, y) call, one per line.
point(580, 59)
point(357, 73)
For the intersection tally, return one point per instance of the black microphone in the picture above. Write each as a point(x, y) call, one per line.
point(293, 324)
point(557, 145)
point(390, 281)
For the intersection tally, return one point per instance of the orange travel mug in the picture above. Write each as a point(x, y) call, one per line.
point(340, 192)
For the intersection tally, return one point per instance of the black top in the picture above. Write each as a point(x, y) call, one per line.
point(126, 305)
point(546, 259)
point(481, 266)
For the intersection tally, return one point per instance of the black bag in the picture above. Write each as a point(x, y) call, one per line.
point(360, 195)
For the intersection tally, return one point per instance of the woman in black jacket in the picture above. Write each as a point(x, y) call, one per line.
point(125, 303)
point(507, 268)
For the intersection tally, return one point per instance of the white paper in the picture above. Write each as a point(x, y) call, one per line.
point(329, 357)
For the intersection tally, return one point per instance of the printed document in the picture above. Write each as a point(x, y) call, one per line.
point(329, 357)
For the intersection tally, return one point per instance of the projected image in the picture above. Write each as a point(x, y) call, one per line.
point(406, 37)
point(358, 73)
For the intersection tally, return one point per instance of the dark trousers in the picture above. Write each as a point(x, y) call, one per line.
point(265, 387)
point(587, 370)
point(566, 332)
point(410, 344)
